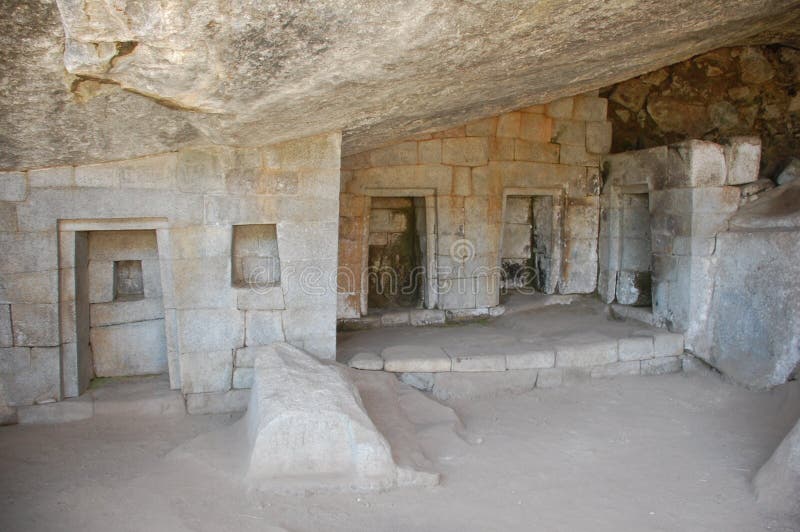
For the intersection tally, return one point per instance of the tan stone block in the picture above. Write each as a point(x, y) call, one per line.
point(430, 151)
point(535, 109)
point(397, 155)
point(535, 151)
point(501, 149)
point(508, 125)
point(468, 151)
point(536, 128)
point(462, 181)
point(320, 151)
point(356, 161)
point(571, 132)
point(486, 183)
point(455, 132)
point(199, 170)
point(351, 205)
point(560, 108)
point(482, 128)
point(590, 108)
point(598, 137)
point(578, 156)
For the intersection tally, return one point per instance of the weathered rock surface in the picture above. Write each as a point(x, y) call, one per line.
point(777, 483)
point(755, 311)
point(790, 173)
point(729, 92)
point(308, 429)
point(96, 80)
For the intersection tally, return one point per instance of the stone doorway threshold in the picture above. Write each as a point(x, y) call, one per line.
point(143, 396)
point(540, 340)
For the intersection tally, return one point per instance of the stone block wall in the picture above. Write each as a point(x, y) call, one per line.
point(191, 199)
point(465, 174)
point(693, 190)
point(126, 322)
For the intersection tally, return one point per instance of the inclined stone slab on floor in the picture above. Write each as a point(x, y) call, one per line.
point(309, 431)
point(415, 359)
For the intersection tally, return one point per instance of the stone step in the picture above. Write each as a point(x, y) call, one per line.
point(646, 353)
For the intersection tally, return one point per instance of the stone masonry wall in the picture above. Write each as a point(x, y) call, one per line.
point(467, 172)
point(693, 188)
point(192, 198)
point(744, 91)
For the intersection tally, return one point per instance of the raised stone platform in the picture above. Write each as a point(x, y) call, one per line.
point(540, 339)
point(123, 396)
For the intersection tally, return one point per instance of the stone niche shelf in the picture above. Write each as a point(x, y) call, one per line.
point(640, 354)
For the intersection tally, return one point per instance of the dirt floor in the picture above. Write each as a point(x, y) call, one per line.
point(674, 452)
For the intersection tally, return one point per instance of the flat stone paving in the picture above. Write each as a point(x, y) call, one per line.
point(536, 333)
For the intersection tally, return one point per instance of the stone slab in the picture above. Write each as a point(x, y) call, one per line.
point(415, 358)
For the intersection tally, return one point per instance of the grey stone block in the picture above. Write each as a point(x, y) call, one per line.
point(218, 402)
point(694, 163)
point(137, 348)
point(118, 312)
point(263, 327)
point(630, 367)
point(635, 348)
point(59, 176)
point(207, 371)
point(210, 329)
point(531, 359)
point(395, 318)
point(30, 375)
point(426, 317)
point(476, 362)
point(586, 354)
point(13, 186)
point(35, 324)
point(742, 158)
point(415, 359)
point(667, 344)
point(6, 335)
point(661, 366)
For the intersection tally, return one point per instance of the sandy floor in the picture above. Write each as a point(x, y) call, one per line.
point(640, 453)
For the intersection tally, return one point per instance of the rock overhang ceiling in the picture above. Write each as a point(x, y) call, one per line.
point(95, 80)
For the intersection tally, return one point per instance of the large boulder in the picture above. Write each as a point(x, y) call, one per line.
point(777, 483)
point(309, 431)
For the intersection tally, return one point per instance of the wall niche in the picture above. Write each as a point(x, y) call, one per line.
point(254, 255)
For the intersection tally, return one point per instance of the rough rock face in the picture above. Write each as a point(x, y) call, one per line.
point(755, 310)
point(777, 483)
point(94, 80)
point(309, 430)
point(713, 96)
